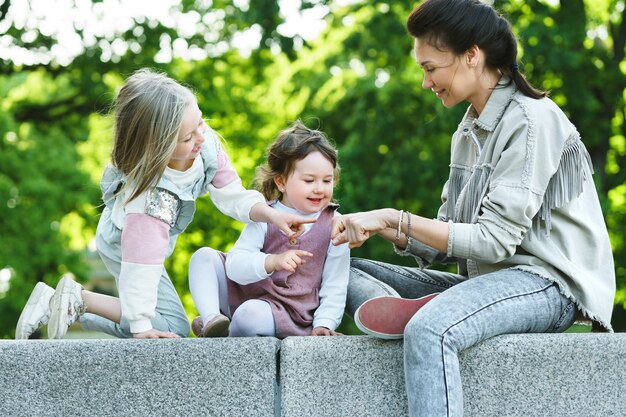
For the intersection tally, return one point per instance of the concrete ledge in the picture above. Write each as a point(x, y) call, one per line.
point(546, 375)
point(514, 375)
point(342, 376)
point(188, 377)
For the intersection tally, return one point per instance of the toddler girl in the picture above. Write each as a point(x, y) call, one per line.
point(271, 284)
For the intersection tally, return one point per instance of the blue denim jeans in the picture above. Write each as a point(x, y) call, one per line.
point(466, 312)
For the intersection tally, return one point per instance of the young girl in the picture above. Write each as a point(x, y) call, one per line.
point(279, 285)
point(164, 157)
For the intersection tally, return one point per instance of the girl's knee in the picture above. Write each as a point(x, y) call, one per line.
point(178, 326)
point(244, 318)
point(251, 319)
point(181, 328)
point(204, 254)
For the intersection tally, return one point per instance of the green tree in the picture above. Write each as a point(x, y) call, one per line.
point(357, 81)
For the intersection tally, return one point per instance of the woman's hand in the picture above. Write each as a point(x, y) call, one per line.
point(356, 228)
point(155, 334)
point(286, 261)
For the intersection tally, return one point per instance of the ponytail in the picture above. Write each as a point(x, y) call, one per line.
point(523, 85)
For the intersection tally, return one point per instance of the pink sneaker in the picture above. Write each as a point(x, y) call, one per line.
point(386, 317)
point(216, 327)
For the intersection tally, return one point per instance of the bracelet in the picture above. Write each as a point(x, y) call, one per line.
point(408, 227)
point(399, 224)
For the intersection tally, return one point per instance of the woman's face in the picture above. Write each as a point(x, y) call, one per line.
point(448, 75)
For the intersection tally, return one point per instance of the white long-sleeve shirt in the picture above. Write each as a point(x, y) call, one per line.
point(245, 264)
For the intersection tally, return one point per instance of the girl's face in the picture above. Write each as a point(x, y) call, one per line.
point(309, 188)
point(449, 76)
point(190, 138)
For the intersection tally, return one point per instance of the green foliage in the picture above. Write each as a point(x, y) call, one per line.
point(357, 81)
point(39, 185)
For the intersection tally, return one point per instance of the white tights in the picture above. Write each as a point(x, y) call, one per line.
point(207, 283)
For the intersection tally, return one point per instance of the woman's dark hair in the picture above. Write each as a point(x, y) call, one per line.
point(292, 145)
point(457, 25)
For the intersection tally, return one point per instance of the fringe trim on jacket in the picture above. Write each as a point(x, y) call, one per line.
point(467, 190)
point(566, 184)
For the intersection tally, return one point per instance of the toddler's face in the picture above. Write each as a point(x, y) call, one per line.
point(309, 188)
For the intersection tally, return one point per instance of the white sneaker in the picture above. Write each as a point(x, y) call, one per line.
point(66, 307)
point(36, 312)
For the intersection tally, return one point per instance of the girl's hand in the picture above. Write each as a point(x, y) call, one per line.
point(292, 225)
point(323, 331)
point(286, 261)
point(356, 228)
point(155, 334)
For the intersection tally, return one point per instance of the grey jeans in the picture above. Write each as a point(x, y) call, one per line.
point(169, 316)
point(466, 312)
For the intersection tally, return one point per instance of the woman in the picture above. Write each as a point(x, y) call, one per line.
point(520, 216)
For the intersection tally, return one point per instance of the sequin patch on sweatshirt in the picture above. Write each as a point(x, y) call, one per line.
point(162, 205)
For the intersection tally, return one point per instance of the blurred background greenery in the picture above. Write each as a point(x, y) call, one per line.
point(342, 66)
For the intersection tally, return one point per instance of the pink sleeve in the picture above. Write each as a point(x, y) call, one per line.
point(225, 173)
point(144, 239)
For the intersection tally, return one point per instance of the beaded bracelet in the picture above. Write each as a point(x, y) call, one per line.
point(399, 224)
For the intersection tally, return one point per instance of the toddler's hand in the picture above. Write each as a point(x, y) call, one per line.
point(323, 331)
point(286, 261)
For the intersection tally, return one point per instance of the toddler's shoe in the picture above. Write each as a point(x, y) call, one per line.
point(216, 327)
point(66, 307)
point(196, 326)
point(386, 317)
point(36, 312)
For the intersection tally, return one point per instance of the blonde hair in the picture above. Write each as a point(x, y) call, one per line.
point(292, 145)
point(149, 113)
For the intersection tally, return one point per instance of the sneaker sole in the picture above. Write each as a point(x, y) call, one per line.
point(386, 317)
point(57, 327)
point(196, 326)
point(38, 292)
point(219, 328)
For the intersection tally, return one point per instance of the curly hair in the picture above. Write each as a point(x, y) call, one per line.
point(290, 146)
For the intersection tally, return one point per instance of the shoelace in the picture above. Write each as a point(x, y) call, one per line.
point(75, 310)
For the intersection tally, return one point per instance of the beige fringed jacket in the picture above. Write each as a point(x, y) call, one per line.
point(521, 194)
